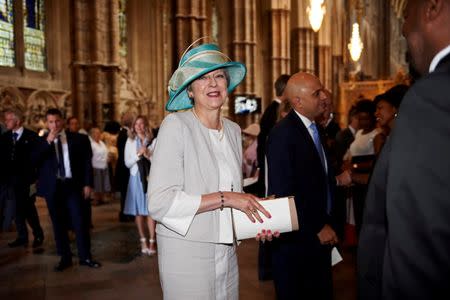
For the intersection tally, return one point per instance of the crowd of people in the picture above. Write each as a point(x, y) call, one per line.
point(387, 173)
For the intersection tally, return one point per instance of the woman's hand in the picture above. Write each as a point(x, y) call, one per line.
point(246, 203)
point(266, 235)
point(143, 151)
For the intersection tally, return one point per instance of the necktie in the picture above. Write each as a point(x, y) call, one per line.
point(319, 149)
point(60, 157)
point(317, 143)
point(15, 135)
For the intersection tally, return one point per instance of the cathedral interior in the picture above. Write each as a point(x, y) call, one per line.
point(96, 59)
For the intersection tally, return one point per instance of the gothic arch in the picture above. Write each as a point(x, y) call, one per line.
point(37, 104)
point(11, 96)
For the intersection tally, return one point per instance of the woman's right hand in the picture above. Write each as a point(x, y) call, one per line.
point(246, 203)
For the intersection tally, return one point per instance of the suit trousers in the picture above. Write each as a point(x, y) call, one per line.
point(68, 201)
point(302, 270)
point(26, 212)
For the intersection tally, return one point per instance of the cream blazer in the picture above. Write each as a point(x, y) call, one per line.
point(183, 168)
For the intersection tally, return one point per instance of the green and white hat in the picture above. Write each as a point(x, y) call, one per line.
point(195, 63)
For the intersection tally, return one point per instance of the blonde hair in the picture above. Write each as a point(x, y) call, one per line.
point(147, 129)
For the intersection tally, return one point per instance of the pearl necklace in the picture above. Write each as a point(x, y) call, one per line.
point(221, 131)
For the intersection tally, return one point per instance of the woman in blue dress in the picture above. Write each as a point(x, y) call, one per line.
point(137, 159)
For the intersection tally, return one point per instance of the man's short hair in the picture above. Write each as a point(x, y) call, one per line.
point(20, 115)
point(280, 84)
point(53, 112)
point(71, 118)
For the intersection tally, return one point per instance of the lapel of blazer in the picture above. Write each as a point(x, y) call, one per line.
point(206, 161)
point(229, 134)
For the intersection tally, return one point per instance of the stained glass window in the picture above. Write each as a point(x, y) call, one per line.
point(123, 27)
point(7, 56)
point(34, 34)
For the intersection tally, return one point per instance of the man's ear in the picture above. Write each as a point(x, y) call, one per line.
point(433, 9)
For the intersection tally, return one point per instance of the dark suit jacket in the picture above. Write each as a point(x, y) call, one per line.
point(295, 170)
point(268, 120)
point(344, 139)
point(80, 155)
point(405, 239)
point(21, 170)
point(122, 172)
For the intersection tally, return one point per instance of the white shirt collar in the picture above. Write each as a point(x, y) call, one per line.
point(19, 131)
point(438, 57)
point(307, 122)
point(352, 130)
point(277, 100)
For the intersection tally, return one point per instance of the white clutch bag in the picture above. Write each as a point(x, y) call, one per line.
point(284, 218)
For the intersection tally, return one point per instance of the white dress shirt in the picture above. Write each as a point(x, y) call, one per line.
point(307, 122)
point(19, 132)
point(65, 148)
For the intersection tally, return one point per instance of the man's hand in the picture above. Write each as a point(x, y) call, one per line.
point(327, 236)
point(52, 135)
point(344, 179)
point(87, 192)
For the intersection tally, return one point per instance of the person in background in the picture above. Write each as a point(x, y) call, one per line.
point(196, 178)
point(102, 184)
point(73, 125)
point(298, 166)
point(387, 106)
point(269, 118)
point(64, 163)
point(19, 173)
point(404, 241)
point(122, 172)
point(137, 156)
point(250, 168)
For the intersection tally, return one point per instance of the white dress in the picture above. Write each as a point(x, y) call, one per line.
point(212, 273)
point(363, 144)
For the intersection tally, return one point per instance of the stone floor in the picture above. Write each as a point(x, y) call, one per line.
point(125, 274)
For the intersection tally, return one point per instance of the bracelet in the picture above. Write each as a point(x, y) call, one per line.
point(222, 201)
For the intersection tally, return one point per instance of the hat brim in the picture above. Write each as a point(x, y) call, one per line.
point(179, 100)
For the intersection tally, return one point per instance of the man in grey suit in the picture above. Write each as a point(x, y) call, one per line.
point(405, 239)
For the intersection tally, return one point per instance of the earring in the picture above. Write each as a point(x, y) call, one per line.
point(395, 115)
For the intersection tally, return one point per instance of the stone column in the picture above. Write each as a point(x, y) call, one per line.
point(280, 17)
point(323, 50)
point(244, 42)
point(95, 59)
point(303, 39)
point(190, 20)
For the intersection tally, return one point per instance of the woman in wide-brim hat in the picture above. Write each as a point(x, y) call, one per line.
point(196, 179)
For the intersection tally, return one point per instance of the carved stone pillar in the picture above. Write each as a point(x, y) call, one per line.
point(95, 59)
point(190, 20)
point(303, 43)
point(244, 42)
point(280, 17)
point(323, 50)
point(303, 39)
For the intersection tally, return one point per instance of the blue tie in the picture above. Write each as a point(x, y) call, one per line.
point(319, 149)
point(317, 143)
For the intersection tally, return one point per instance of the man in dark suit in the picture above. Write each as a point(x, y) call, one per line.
point(18, 174)
point(64, 180)
point(297, 165)
point(122, 172)
point(404, 243)
point(268, 120)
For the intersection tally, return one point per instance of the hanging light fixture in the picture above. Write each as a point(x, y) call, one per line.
point(316, 10)
point(356, 45)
